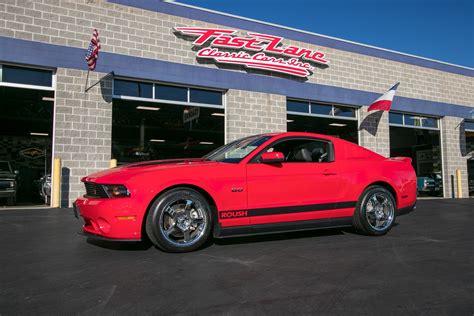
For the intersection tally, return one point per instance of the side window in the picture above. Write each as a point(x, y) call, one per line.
point(303, 150)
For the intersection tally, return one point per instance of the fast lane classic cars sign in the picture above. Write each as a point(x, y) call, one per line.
point(257, 51)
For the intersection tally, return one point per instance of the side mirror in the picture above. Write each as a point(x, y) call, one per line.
point(16, 172)
point(272, 157)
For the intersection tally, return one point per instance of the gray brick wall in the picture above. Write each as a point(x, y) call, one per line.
point(453, 146)
point(83, 120)
point(83, 123)
point(249, 113)
point(136, 32)
point(374, 131)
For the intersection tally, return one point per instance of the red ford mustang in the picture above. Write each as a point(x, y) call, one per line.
point(258, 184)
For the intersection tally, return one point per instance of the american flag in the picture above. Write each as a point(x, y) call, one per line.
point(93, 51)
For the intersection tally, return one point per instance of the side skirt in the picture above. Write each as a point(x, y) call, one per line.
point(224, 232)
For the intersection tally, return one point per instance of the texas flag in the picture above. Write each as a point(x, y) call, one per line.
point(384, 102)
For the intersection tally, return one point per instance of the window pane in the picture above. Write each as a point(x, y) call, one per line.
point(344, 111)
point(413, 120)
point(206, 96)
point(395, 118)
point(297, 106)
point(133, 88)
point(321, 109)
point(302, 150)
point(469, 126)
point(430, 122)
point(27, 76)
point(172, 93)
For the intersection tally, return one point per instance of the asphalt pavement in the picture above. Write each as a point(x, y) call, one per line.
point(425, 265)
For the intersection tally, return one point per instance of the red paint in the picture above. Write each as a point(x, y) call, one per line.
point(263, 185)
point(288, 63)
point(383, 105)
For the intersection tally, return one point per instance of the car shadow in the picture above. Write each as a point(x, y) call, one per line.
point(121, 245)
point(283, 236)
point(146, 244)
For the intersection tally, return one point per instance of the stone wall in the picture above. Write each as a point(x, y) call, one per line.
point(249, 113)
point(374, 131)
point(453, 146)
point(83, 128)
point(136, 32)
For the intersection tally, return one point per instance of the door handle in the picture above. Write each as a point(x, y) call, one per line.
point(329, 173)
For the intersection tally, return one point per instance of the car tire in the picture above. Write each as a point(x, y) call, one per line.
point(179, 220)
point(375, 211)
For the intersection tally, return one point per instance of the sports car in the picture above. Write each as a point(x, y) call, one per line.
point(259, 184)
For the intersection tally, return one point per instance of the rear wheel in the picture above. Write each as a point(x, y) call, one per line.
point(179, 221)
point(375, 211)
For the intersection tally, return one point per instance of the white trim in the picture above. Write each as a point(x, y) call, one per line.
point(317, 34)
point(323, 116)
point(224, 104)
point(26, 86)
point(53, 143)
point(404, 124)
point(443, 169)
point(204, 105)
point(324, 103)
point(164, 83)
point(54, 80)
point(415, 127)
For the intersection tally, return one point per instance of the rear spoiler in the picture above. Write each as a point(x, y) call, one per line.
point(402, 159)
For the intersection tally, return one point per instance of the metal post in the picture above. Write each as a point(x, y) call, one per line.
point(56, 183)
point(452, 186)
point(459, 184)
point(113, 163)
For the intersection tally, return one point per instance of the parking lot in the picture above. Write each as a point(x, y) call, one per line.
point(423, 266)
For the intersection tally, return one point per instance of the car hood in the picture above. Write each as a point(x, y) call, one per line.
point(125, 172)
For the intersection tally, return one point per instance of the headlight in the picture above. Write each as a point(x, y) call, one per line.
point(116, 190)
point(12, 184)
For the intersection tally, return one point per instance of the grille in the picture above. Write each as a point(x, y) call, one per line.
point(95, 190)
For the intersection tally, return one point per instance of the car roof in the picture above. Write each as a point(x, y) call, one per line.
point(304, 134)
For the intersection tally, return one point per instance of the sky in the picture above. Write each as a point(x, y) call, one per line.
point(436, 29)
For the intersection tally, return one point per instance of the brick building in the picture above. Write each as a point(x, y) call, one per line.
point(153, 97)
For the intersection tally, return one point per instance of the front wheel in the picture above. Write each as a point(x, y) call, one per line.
point(179, 221)
point(375, 211)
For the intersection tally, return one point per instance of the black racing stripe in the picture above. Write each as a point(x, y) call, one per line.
point(300, 208)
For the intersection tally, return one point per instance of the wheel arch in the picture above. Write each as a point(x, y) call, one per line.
point(207, 196)
point(387, 186)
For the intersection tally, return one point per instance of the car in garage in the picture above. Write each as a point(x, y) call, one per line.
point(430, 184)
point(259, 184)
point(8, 183)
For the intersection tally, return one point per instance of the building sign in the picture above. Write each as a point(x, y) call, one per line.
point(257, 51)
point(32, 153)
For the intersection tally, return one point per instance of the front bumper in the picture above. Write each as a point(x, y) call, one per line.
point(113, 219)
point(102, 238)
point(7, 193)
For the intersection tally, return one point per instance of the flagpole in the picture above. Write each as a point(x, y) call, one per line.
point(87, 80)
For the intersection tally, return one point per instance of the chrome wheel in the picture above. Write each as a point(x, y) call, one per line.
point(183, 222)
point(379, 211)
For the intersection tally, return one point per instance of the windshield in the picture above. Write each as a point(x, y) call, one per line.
point(5, 167)
point(237, 150)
